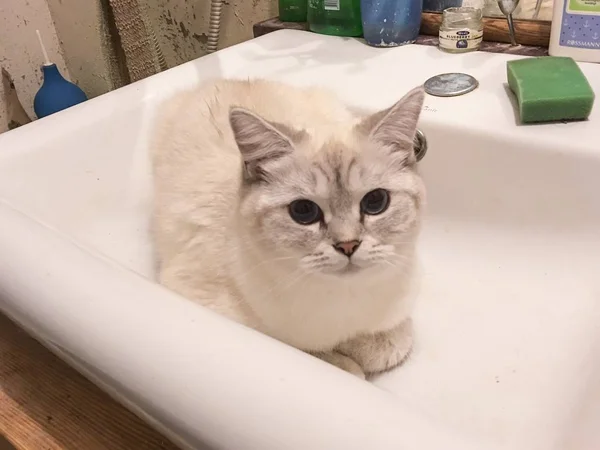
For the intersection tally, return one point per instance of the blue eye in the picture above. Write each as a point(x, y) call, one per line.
point(305, 212)
point(375, 202)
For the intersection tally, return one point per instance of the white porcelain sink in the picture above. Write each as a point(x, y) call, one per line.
point(508, 341)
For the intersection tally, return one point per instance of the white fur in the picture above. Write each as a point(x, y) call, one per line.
point(206, 222)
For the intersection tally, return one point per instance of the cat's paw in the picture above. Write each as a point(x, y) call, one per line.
point(342, 361)
point(380, 351)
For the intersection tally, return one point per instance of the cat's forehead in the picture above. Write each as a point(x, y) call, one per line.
point(336, 169)
point(340, 171)
point(345, 170)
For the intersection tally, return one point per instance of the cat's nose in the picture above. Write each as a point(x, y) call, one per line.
point(347, 248)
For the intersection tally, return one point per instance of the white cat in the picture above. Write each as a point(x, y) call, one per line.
point(276, 207)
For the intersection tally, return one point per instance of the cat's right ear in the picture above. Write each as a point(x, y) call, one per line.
point(394, 129)
point(263, 144)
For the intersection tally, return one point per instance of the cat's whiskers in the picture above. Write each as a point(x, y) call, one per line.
point(295, 281)
point(399, 263)
point(264, 262)
point(250, 243)
point(292, 276)
point(315, 269)
point(389, 263)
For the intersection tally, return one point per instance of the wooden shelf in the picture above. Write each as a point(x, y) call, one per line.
point(495, 29)
point(533, 36)
point(46, 405)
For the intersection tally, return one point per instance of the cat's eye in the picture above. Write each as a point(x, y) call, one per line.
point(305, 212)
point(375, 202)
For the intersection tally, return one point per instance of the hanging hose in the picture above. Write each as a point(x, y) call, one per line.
point(216, 6)
point(160, 57)
point(162, 62)
point(538, 6)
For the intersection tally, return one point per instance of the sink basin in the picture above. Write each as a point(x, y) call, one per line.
point(507, 351)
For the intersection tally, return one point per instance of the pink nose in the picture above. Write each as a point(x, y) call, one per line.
point(347, 248)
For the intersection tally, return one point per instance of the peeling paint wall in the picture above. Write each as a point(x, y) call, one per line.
point(20, 52)
point(77, 36)
point(182, 25)
point(77, 39)
point(82, 28)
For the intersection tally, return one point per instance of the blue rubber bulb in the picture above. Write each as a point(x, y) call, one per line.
point(56, 93)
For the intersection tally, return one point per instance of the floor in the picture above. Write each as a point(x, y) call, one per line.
point(46, 405)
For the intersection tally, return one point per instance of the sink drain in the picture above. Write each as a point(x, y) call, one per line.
point(450, 84)
point(420, 145)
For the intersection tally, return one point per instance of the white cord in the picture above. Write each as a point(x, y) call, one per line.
point(46, 59)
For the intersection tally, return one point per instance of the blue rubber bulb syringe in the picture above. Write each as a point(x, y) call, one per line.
point(56, 93)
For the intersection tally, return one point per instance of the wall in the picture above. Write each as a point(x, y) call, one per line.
point(82, 28)
point(79, 40)
point(182, 25)
point(20, 52)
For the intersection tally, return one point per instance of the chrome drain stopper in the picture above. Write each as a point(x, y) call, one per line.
point(450, 84)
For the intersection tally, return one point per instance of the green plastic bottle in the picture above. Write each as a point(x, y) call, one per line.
point(335, 17)
point(292, 10)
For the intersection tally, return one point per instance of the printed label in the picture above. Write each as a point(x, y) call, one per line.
point(583, 6)
point(581, 24)
point(331, 5)
point(460, 39)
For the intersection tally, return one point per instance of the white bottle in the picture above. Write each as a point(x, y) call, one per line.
point(576, 30)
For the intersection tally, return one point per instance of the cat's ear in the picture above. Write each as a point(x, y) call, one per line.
point(394, 129)
point(262, 144)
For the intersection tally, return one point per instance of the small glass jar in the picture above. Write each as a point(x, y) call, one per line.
point(461, 30)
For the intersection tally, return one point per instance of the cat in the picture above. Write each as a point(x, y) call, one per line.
point(279, 208)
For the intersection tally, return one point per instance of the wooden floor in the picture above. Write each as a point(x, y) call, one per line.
point(46, 405)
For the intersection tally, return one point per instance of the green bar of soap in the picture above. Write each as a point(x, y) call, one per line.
point(550, 88)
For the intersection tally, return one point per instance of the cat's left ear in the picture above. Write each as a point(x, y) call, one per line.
point(264, 145)
point(394, 129)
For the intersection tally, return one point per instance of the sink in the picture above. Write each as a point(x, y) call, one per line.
point(507, 352)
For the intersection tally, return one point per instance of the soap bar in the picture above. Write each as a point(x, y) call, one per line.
point(550, 88)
